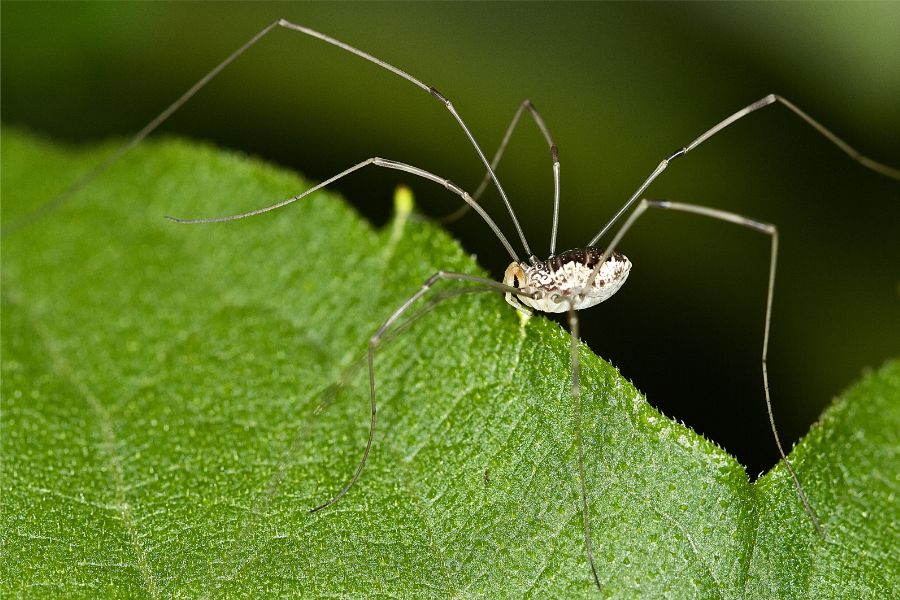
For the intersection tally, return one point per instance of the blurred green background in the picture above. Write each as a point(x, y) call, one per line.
point(620, 87)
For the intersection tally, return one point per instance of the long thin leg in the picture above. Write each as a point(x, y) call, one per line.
point(378, 337)
point(761, 103)
point(554, 155)
point(431, 90)
point(579, 441)
point(391, 329)
point(327, 396)
point(762, 227)
point(146, 130)
point(164, 115)
point(378, 162)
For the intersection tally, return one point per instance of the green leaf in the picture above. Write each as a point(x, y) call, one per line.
point(170, 414)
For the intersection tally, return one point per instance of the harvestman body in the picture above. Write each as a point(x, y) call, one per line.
point(563, 283)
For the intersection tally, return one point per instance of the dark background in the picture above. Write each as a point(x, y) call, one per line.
point(620, 87)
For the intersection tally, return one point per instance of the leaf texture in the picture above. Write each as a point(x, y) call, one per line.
point(176, 398)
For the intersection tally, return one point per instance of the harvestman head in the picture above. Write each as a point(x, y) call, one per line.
point(561, 283)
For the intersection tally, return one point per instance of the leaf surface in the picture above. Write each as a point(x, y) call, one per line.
point(171, 410)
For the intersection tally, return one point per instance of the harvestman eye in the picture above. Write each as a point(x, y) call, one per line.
point(562, 283)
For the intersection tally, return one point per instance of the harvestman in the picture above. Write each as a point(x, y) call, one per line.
point(563, 283)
